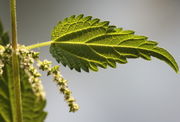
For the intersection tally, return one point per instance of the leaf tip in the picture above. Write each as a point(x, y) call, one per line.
point(177, 70)
point(80, 16)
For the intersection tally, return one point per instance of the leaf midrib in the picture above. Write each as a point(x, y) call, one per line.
point(107, 45)
point(101, 45)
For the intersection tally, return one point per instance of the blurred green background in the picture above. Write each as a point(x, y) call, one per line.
point(140, 91)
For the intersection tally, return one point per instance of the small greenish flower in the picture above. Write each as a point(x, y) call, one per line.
point(45, 65)
point(73, 107)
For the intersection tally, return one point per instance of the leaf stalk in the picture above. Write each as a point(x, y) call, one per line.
point(40, 44)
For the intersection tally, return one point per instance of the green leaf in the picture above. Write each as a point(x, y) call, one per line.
point(32, 107)
point(85, 43)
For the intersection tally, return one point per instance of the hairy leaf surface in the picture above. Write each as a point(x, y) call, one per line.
point(32, 107)
point(86, 43)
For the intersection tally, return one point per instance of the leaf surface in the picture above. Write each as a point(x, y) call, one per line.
point(86, 43)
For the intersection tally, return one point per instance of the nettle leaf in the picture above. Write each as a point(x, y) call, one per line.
point(32, 107)
point(86, 43)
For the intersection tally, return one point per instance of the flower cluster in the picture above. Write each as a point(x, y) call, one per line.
point(1, 67)
point(1, 62)
point(5, 56)
point(27, 59)
point(26, 62)
point(61, 82)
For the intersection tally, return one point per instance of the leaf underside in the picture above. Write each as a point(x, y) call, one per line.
point(86, 43)
point(32, 107)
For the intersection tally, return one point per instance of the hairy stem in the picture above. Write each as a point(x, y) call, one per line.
point(40, 45)
point(17, 106)
point(14, 24)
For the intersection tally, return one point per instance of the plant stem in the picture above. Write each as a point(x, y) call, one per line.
point(40, 45)
point(14, 24)
point(17, 112)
